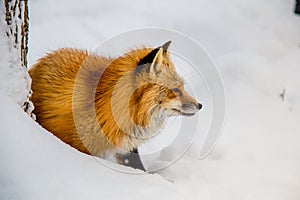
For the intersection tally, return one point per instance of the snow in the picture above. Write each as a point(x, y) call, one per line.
point(36, 165)
point(255, 45)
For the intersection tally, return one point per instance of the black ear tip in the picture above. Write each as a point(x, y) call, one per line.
point(168, 42)
point(166, 45)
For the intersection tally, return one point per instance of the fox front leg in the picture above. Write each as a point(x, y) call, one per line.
point(131, 159)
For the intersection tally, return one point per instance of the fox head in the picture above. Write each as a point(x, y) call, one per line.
point(160, 87)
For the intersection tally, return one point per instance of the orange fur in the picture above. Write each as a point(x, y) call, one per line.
point(102, 105)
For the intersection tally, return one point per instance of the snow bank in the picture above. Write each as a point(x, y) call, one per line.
point(37, 165)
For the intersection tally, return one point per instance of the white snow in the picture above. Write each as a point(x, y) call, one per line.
point(36, 165)
point(256, 47)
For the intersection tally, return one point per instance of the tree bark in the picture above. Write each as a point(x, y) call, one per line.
point(17, 20)
point(297, 7)
point(16, 24)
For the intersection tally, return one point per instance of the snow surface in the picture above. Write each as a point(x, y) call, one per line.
point(256, 47)
point(36, 165)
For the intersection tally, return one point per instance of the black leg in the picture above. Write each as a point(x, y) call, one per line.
point(131, 159)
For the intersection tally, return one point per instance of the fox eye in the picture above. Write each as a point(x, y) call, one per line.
point(176, 90)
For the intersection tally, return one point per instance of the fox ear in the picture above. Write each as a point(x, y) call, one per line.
point(152, 60)
point(157, 62)
point(162, 52)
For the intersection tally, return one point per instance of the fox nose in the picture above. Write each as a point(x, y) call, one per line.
point(199, 106)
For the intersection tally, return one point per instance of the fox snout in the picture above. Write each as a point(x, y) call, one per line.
point(184, 104)
point(189, 106)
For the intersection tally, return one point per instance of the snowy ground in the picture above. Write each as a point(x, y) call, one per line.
point(256, 47)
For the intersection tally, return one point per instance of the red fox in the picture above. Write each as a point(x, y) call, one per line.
point(133, 96)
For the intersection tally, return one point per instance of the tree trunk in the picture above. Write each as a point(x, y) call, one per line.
point(297, 7)
point(15, 24)
point(17, 20)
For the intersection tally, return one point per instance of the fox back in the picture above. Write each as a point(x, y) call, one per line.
point(102, 106)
